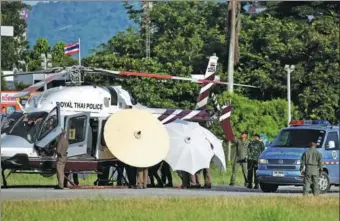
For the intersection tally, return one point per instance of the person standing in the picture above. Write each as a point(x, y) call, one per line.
point(185, 176)
point(131, 173)
point(240, 157)
point(61, 151)
point(195, 180)
point(207, 178)
point(166, 174)
point(256, 147)
point(142, 178)
point(153, 173)
point(311, 168)
point(75, 179)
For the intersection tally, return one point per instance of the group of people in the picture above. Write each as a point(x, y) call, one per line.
point(248, 153)
point(246, 157)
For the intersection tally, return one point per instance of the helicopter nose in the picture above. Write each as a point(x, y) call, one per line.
point(11, 145)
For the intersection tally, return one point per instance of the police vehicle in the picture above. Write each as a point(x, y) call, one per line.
point(280, 163)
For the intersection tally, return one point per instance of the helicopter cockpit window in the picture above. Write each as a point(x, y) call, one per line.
point(9, 121)
point(28, 126)
point(77, 129)
point(102, 140)
point(133, 98)
point(114, 96)
point(49, 124)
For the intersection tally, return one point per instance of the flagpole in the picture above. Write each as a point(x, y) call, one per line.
point(79, 59)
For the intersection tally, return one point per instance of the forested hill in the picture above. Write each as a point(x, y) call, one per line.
point(93, 22)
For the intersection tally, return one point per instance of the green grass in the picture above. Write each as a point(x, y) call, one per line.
point(177, 209)
point(218, 178)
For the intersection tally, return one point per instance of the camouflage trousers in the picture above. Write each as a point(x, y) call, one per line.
point(307, 181)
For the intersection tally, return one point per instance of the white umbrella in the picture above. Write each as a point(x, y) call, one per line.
point(219, 157)
point(189, 150)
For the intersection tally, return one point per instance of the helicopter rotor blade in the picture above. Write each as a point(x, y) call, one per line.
point(169, 77)
point(47, 71)
point(40, 84)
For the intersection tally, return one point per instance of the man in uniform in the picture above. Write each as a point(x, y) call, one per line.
point(240, 157)
point(61, 150)
point(256, 147)
point(142, 178)
point(311, 168)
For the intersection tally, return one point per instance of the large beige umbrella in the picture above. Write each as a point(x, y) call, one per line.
point(136, 138)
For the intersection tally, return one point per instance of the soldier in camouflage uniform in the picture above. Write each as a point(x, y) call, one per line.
point(240, 157)
point(311, 168)
point(255, 148)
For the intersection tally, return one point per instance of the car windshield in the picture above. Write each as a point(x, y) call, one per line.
point(9, 120)
point(28, 126)
point(298, 138)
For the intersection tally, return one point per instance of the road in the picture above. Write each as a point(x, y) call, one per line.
point(237, 191)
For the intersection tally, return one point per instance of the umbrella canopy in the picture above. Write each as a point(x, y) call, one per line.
point(136, 137)
point(219, 156)
point(189, 150)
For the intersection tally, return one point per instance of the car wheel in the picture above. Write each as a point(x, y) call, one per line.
point(269, 188)
point(324, 183)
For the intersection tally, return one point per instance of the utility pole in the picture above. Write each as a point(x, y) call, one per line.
point(46, 62)
point(232, 46)
point(289, 70)
point(146, 5)
point(231, 55)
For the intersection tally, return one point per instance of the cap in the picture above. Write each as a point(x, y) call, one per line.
point(313, 143)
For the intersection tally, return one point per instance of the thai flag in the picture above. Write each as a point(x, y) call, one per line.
point(72, 48)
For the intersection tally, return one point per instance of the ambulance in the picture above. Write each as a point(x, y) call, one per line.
point(279, 164)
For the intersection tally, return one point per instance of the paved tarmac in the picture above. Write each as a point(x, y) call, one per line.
point(44, 193)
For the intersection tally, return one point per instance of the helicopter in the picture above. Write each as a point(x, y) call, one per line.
point(28, 137)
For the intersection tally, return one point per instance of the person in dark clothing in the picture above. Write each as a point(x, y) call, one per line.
point(152, 172)
point(166, 174)
point(132, 175)
point(75, 179)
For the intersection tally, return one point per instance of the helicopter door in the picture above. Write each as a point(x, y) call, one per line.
point(50, 129)
point(77, 127)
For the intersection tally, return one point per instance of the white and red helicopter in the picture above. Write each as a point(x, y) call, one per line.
point(27, 138)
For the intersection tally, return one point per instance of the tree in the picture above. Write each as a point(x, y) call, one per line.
point(268, 43)
point(3, 83)
point(59, 58)
point(42, 46)
point(12, 48)
point(185, 33)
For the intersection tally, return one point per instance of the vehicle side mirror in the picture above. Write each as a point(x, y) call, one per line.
point(331, 144)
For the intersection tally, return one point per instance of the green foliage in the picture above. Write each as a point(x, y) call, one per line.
point(185, 33)
point(20, 86)
point(268, 43)
point(42, 46)
point(256, 116)
point(3, 83)
point(92, 22)
point(12, 47)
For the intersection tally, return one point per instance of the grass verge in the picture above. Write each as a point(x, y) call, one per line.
point(179, 209)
